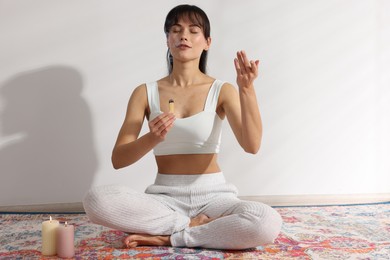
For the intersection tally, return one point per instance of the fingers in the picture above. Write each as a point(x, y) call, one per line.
point(160, 125)
point(244, 65)
point(244, 61)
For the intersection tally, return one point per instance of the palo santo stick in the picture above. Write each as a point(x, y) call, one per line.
point(171, 106)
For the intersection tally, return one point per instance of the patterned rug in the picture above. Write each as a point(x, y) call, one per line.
point(327, 232)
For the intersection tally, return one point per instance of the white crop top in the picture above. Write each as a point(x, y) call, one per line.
point(196, 134)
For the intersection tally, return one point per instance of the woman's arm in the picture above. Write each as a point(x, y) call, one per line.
point(128, 147)
point(242, 109)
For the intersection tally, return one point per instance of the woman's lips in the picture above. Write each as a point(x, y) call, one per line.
point(183, 46)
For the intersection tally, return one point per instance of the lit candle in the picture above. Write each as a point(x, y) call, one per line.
point(65, 241)
point(49, 236)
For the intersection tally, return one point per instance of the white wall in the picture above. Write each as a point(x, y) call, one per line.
point(67, 69)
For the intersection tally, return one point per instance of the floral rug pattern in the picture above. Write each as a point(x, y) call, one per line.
point(328, 232)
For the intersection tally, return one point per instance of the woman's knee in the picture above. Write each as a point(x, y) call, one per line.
point(98, 200)
point(269, 226)
point(266, 223)
point(91, 203)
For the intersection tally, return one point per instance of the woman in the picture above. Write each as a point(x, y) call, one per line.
point(190, 204)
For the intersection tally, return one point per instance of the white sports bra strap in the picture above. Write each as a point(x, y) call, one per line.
point(212, 97)
point(153, 97)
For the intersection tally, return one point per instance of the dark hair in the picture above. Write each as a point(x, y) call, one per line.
point(196, 16)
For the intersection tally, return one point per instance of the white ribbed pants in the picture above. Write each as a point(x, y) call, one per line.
point(167, 206)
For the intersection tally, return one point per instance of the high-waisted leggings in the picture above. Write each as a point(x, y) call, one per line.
point(168, 205)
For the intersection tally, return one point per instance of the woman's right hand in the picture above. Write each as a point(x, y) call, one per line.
point(160, 125)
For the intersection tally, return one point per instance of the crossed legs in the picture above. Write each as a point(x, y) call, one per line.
point(225, 222)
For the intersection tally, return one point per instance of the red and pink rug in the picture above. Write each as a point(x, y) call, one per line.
point(327, 232)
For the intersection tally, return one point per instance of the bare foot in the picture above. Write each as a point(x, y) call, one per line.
point(135, 240)
point(200, 220)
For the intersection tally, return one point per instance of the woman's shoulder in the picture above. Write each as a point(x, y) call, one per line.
point(140, 89)
point(228, 91)
point(140, 93)
point(226, 86)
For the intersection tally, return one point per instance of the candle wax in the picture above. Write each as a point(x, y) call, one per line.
point(65, 241)
point(49, 236)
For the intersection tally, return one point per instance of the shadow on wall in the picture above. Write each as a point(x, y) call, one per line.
point(53, 159)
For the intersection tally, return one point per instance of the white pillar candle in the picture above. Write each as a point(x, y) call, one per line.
point(49, 236)
point(65, 241)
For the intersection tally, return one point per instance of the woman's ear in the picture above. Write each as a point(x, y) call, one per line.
point(208, 44)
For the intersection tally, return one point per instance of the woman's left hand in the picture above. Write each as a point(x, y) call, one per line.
point(247, 70)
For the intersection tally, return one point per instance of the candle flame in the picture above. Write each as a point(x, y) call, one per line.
point(50, 218)
point(66, 223)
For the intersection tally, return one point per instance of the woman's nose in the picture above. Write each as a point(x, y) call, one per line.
point(183, 35)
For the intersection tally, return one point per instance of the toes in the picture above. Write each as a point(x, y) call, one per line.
point(200, 220)
point(204, 217)
point(129, 242)
point(132, 244)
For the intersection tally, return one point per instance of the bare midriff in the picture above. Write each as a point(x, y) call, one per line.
point(187, 164)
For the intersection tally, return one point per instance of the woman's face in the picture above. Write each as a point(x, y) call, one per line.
point(186, 41)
